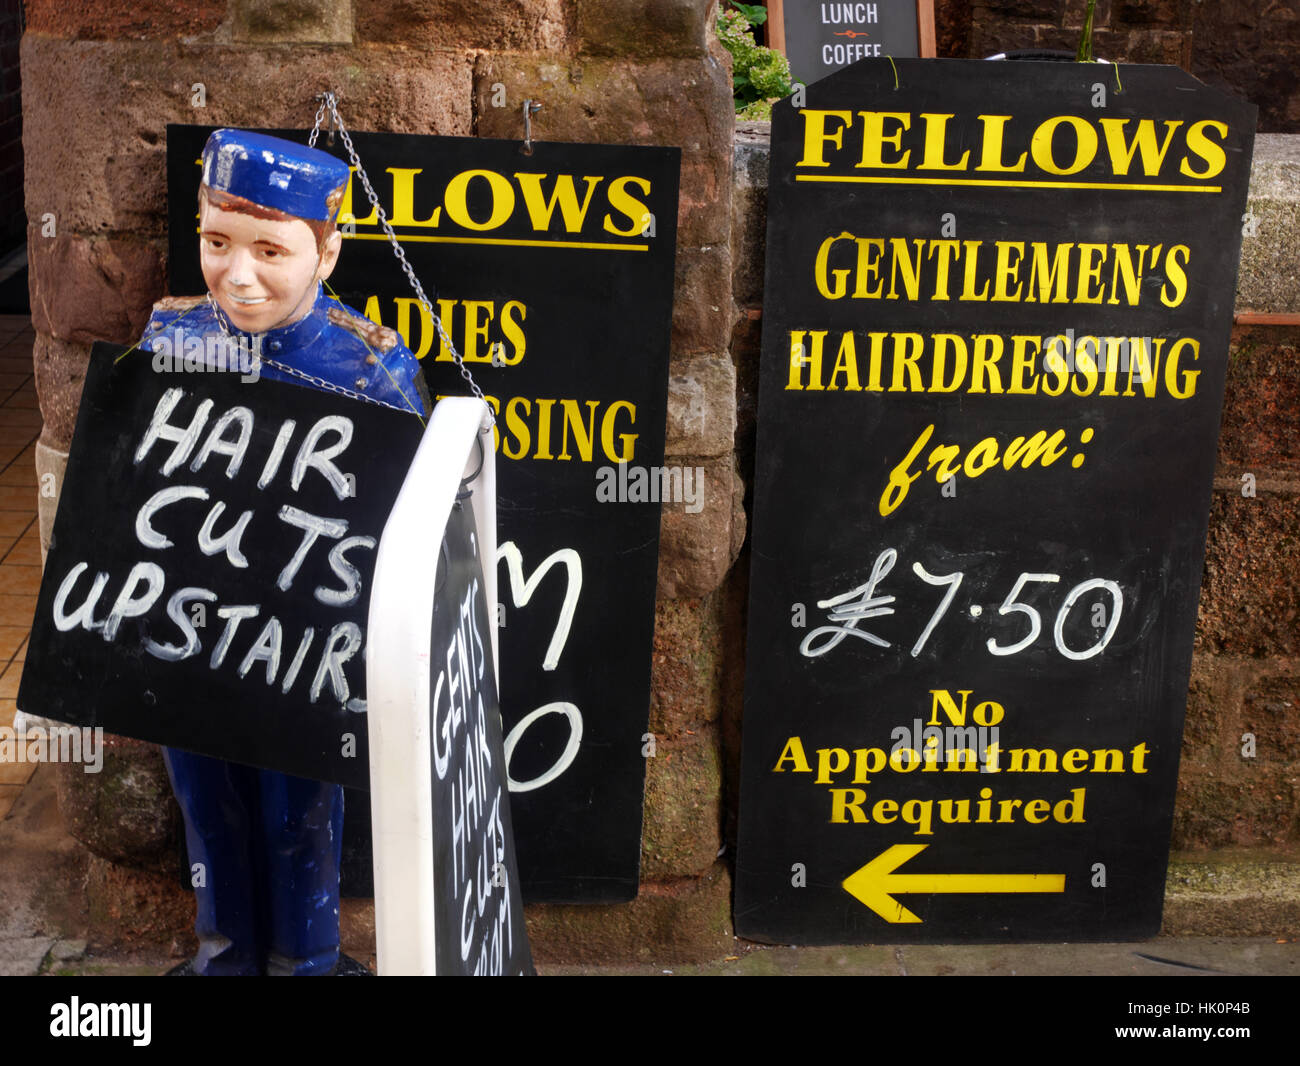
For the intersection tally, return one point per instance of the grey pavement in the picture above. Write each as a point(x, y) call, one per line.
point(45, 929)
point(1166, 956)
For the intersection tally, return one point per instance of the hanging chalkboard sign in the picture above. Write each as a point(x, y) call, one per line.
point(819, 38)
point(553, 275)
point(995, 333)
point(208, 575)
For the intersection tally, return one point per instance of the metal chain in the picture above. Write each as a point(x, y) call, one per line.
point(320, 116)
point(328, 100)
point(329, 386)
point(320, 383)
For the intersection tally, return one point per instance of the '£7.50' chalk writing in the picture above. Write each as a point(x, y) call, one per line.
point(847, 610)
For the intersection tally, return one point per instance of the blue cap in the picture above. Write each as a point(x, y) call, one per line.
point(273, 173)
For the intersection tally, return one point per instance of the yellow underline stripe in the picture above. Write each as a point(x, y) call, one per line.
point(1012, 184)
point(403, 237)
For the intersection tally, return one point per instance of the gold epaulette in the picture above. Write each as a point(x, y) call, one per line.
point(178, 303)
point(381, 338)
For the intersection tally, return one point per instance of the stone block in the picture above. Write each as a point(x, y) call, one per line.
point(86, 20)
point(67, 951)
point(749, 212)
point(696, 547)
point(685, 673)
point(53, 462)
point(640, 29)
point(124, 813)
point(1232, 794)
point(703, 313)
point(990, 35)
point(138, 909)
point(681, 834)
point(1250, 600)
point(292, 22)
point(1251, 49)
point(23, 956)
point(1066, 39)
point(1241, 899)
point(735, 606)
point(1074, 12)
point(1271, 711)
point(684, 920)
point(1170, 14)
point(1269, 276)
point(502, 26)
point(88, 289)
point(60, 373)
point(687, 103)
point(739, 520)
point(1249, 805)
point(1142, 46)
point(1209, 708)
point(1261, 396)
point(102, 176)
point(701, 406)
point(1032, 10)
point(746, 350)
point(43, 869)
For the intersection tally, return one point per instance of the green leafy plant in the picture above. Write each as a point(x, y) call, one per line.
point(1084, 53)
point(760, 76)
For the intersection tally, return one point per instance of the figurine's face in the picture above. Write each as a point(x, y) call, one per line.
point(262, 272)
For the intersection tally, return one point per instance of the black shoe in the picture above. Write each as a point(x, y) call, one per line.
point(347, 966)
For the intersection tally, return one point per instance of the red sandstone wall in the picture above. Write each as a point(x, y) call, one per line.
point(1248, 47)
point(102, 81)
point(11, 126)
point(1239, 783)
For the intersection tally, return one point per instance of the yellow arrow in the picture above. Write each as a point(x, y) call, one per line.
point(876, 884)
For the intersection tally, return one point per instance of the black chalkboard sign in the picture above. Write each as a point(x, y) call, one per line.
point(558, 265)
point(995, 334)
point(206, 585)
point(820, 38)
point(479, 914)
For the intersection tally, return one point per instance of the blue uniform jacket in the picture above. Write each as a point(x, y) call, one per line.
point(332, 342)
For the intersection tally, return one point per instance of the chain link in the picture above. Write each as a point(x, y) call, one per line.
point(261, 360)
point(328, 100)
point(320, 116)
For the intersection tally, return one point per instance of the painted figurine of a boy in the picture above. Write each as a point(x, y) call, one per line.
point(266, 846)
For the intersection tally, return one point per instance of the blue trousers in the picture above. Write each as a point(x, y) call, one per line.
point(264, 852)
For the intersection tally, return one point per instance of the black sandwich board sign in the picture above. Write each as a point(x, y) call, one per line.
point(820, 38)
point(480, 913)
point(995, 332)
point(446, 880)
point(553, 275)
point(206, 585)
